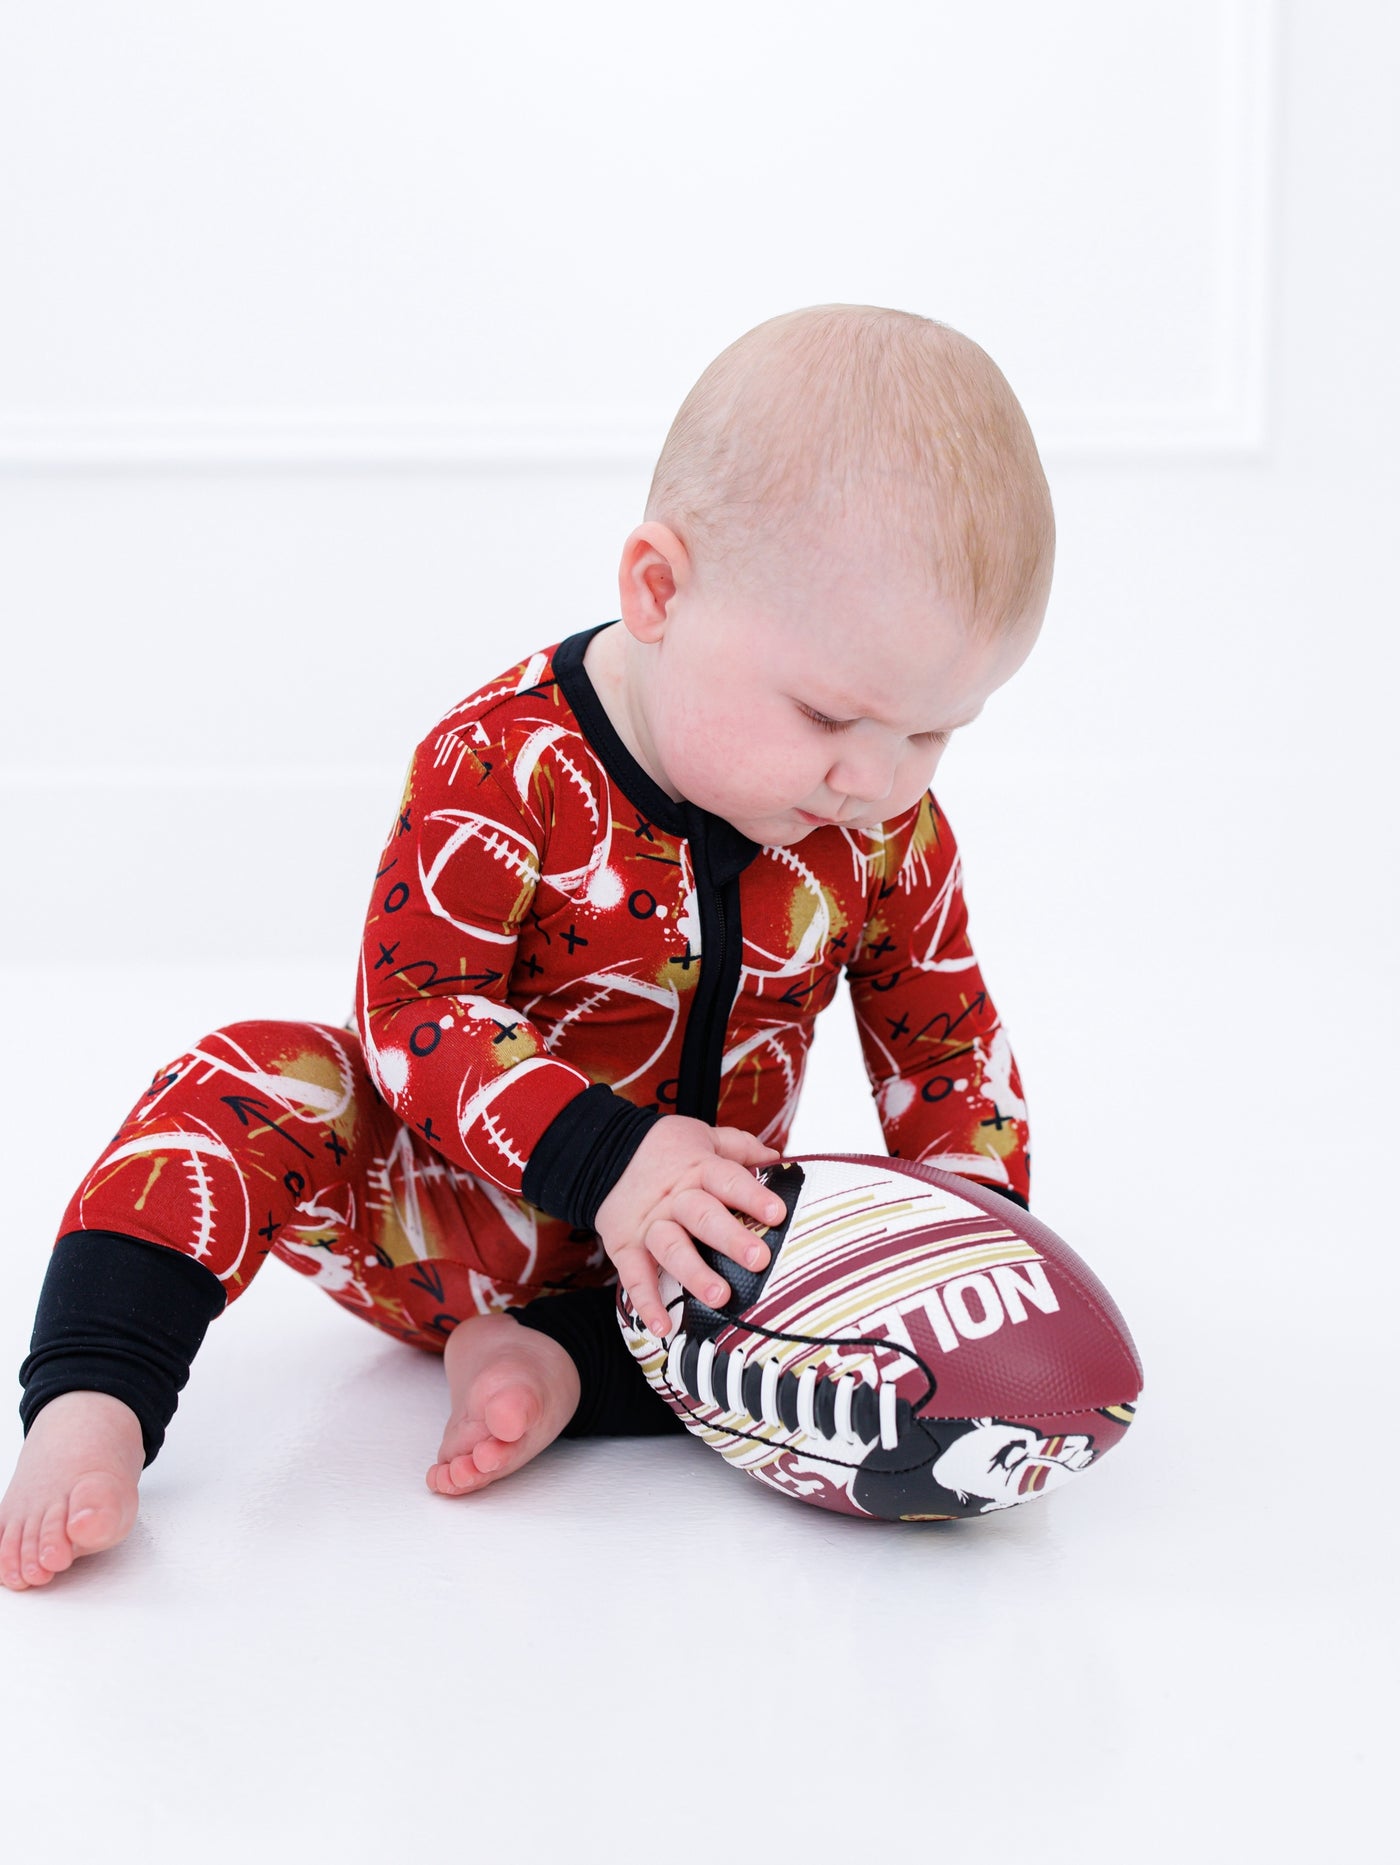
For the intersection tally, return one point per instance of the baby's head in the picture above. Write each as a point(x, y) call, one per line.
point(847, 547)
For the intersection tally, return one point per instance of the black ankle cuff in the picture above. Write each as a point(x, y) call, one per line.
point(615, 1400)
point(121, 1316)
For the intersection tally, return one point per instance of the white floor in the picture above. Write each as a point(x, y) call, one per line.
point(629, 1649)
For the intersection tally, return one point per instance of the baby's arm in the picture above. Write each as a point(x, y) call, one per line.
point(946, 1084)
point(442, 1043)
point(449, 1053)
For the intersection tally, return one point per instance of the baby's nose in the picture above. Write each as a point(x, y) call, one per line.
point(863, 778)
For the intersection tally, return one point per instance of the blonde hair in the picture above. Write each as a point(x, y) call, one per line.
point(846, 410)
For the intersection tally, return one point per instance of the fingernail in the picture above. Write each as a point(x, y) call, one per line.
point(715, 1293)
point(778, 1209)
point(755, 1259)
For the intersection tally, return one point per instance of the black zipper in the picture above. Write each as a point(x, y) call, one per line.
point(693, 1094)
point(697, 1091)
point(715, 1038)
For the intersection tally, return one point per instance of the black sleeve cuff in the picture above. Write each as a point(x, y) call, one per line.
point(121, 1316)
point(582, 1154)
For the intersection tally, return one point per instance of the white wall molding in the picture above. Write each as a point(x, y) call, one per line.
point(276, 438)
point(1228, 419)
point(384, 780)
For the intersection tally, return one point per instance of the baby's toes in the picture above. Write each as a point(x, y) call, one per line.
point(31, 1567)
point(100, 1511)
point(460, 1438)
point(466, 1472)
point(509, 1414)
point(453, 1476)
point(493, 1458)
point(55, 1549)
point(11, 1538)
point(439, 1482)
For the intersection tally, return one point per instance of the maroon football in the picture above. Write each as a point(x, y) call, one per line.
point(917, 1348)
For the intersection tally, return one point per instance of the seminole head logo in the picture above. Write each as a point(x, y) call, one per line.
point(967, 1467)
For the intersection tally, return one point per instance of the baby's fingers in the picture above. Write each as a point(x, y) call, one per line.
point(670, 1244)
point(710, 1222)
point(734, 1143)
point(636, 1271)
point(740, 1191)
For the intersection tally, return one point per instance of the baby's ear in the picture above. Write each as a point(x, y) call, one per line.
point(655, 563)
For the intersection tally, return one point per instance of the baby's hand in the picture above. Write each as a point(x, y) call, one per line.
point(679, 1185)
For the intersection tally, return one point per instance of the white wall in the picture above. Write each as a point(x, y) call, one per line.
point(335, 345)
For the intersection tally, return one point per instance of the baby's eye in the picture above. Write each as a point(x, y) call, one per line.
point(827, 725)
point(842, 725)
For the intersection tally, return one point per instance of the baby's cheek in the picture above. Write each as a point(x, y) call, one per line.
point(747, 761)
point(916, 774)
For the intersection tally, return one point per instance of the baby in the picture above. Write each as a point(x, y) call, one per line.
point(622, 881)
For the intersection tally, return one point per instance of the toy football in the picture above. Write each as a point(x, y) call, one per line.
point(917, 1348)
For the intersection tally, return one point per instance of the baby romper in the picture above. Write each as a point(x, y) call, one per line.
point(555, 955)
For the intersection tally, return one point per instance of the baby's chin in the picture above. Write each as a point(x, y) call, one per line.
point(768, 826)
point(774, 829)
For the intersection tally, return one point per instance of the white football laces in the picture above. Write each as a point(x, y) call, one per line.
point(733, 1401)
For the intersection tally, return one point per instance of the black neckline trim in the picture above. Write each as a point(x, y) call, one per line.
point(578, 688)
point(729, 852)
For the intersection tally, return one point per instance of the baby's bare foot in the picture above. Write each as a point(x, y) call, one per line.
point(74, 1488)
point(513, 1391)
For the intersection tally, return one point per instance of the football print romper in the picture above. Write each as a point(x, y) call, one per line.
point(555, 954)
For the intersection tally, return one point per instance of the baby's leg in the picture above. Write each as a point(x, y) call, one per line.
point(256, 1123)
